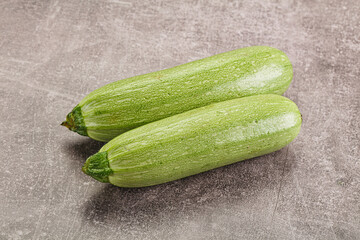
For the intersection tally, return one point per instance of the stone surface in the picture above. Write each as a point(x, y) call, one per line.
point(52, 53)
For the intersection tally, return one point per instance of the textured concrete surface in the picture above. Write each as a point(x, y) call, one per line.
point(52, 53)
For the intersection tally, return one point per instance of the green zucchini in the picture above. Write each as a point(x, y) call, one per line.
point(196, 141)
point(123, 105)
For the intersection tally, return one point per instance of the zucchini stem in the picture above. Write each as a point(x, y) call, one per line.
point(75, 121)
point(97, 166)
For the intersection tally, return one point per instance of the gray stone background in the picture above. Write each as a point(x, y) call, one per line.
point(52, 53)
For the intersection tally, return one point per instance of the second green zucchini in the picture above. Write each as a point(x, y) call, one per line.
point(196, 141)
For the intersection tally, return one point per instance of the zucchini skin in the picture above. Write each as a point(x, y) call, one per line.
point(126, 104)
point(196, 141)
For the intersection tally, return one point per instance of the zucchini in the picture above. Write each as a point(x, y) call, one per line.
point(196, 141)
point(123, 105)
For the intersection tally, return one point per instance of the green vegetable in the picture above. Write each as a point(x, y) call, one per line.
point(196, 141)
point(123, 105)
